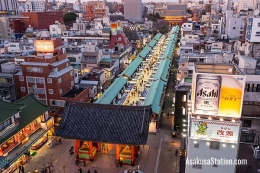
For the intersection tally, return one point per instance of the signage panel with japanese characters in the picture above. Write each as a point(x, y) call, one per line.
point(221, 131)
point(44, 46)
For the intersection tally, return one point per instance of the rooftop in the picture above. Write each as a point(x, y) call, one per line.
point(105, 123)
point(73, 93)
point(229, 69)
point(32, 110)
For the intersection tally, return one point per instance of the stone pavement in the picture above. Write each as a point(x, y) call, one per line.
point(149, 160)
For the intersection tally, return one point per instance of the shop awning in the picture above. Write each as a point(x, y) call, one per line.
point(111, 92)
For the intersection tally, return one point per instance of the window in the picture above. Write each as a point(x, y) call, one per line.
point(182, 65)
point(196, 145)
point(34, 69)
point(59, 80)
point(197, 166)
point(72, 83)
point(41, 91)
point(214, 145)
point(53, 29)
point(21, 78)
point(60, 91)
point(50, 91)
point(246, 123)
point(234, 27)
point(185, 73)
point(30, 80)
point(23, 89)
point(49, 80)
point(39, 80)
point(72, 59)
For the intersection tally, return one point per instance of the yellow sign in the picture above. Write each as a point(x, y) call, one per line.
point(218, 94)
point(44, 46)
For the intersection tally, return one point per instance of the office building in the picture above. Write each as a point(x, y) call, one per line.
point(133, 10)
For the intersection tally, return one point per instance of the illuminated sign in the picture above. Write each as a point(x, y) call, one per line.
point(218, 95)
point(221, 131)
point(44, 46)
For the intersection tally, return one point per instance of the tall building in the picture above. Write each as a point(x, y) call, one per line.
point(48, 75)
point(214, 119)
point(8, 5)
point(35, 5)
point(133, 10)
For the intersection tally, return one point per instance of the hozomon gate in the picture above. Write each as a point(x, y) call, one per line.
point(98, 127)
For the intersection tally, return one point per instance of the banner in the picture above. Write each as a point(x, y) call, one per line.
point(221, 131)
point(44, 46)
point(217, 94)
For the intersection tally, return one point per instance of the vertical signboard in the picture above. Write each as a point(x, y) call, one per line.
point(217, 94)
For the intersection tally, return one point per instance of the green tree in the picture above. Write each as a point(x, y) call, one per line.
point(69, 17)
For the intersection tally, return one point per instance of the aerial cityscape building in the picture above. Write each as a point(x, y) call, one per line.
point(102, 86)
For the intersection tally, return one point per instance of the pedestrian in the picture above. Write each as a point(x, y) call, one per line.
point(79, 170)
point(95, 171)
point(77, 162)
point(22, 169)
point(60, 141)
point(176, 152)
point(85, 162)
point(88, 171)
point(121, 163)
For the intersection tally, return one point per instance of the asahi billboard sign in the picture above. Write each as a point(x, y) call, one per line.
point(218, 95)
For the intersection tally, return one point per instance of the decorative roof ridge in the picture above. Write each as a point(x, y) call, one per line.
point(12, 103)
point(10, 108)
point(32, 96)
point(107, 106)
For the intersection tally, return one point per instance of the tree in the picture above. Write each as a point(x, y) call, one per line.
point(48, 164)
point(162, 27)
point(69, 17)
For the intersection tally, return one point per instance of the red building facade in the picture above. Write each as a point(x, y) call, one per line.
point(49, 77)
point(41, 20)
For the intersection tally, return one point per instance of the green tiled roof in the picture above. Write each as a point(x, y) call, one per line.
point(32, 110)
point(145, 51)
point(7, 113)
point(108, 96)
point(7, 105)
point(158, 36)
point(152, 43)
point(130, 69)
point(154, 96)
point(104, 60)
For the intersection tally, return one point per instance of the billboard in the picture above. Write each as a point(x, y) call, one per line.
point(221, 131)
point(217, 94)
point(44, 46)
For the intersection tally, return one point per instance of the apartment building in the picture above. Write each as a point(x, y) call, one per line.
point(48, 75)
point(7, 85)
point(35, 5)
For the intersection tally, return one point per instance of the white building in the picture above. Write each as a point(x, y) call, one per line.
point(35, 5)
point(133, 10)
point(57, 29)
point(246, 4)
point(235, 28)
point(7, 5)
point(252, 31)
point(214, 129)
